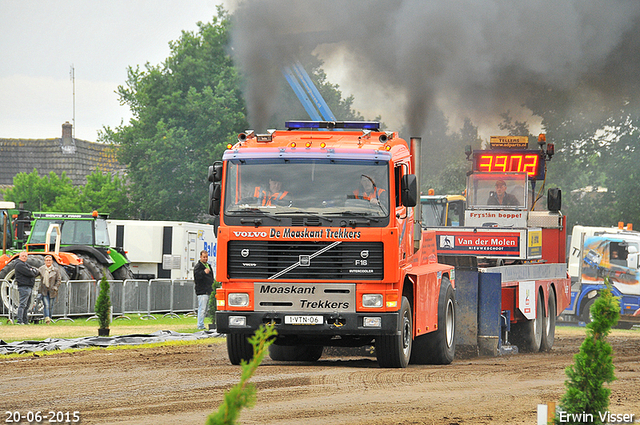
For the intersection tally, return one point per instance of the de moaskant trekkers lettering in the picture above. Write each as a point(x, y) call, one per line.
point(299, 234)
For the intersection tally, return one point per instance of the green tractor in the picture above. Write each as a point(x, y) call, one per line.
point(86, 236)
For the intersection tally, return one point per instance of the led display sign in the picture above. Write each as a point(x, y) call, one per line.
point(511, 161)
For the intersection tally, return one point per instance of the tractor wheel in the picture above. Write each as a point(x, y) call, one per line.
point(527, 335)
point(549, 325)
point(395, 350)
point(439, 347)
point(239, 348)
point(123, 273)
point(95, 269)
point(300, 353)
point(8, 290)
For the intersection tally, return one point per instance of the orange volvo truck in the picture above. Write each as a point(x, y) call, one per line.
point(316, 234)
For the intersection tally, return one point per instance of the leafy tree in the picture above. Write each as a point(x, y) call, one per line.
point(46, 193)
point(593, 364)
point(105, 192)
point(184, 113)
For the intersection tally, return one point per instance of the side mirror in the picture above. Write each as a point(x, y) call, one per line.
point(214, 198)
point(409, 190)
point(215, 172)
point(554, 199)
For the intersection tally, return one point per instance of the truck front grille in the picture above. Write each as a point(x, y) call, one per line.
point(300, 260)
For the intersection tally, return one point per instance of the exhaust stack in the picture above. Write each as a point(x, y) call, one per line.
point(416, 155)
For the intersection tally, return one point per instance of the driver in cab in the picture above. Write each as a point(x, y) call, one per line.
point(274, 195)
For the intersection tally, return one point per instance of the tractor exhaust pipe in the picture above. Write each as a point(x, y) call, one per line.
point(416, 155)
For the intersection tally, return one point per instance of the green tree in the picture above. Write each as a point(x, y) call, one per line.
point(593, 366)
point(46, 193)
point(184, 113)
point(107, 193)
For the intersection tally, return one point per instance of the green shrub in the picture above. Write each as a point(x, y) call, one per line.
point(586, 397)
point(103, 304)
point(243, 394)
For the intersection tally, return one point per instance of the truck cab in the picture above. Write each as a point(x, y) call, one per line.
point(316, 235)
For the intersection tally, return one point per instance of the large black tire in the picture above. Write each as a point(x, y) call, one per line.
point(527, 335)
point(395, 350)
point(549, 325)
point(95, 269)
point(239, 348)
point(123, 273)
point(439, 347)
point(300, 353)
point(9, 294)
point(585, 315)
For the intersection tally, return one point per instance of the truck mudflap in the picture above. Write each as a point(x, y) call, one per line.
point(310, 325)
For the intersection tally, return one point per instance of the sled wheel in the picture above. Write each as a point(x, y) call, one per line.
point(527, 336)
point(549, 327)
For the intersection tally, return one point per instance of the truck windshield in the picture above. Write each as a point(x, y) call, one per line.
point(304, 186)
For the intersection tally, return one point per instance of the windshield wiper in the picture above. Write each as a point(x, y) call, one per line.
point(255, 211)
point(309, 213)
point(365, 215)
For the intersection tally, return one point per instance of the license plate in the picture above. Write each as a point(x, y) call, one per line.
point(303, 320)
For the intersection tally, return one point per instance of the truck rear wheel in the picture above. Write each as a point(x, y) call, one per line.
point(239, 348)
point(299, 353)
point(527, 336)
point(549, 332)
point(395, 350)
point(439, 347)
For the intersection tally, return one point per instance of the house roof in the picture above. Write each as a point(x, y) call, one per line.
point(78, 158)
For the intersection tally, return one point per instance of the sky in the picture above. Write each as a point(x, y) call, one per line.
point(41, 40)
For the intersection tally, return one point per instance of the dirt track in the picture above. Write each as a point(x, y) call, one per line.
point(184, 384)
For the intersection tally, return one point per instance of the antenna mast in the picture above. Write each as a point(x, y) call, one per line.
point(72, 74)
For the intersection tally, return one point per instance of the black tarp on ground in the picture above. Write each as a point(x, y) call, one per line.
point(50, 344)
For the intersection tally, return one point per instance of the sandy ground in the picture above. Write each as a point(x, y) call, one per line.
point(184, 384)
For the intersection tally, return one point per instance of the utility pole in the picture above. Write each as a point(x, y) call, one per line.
point(72, 74)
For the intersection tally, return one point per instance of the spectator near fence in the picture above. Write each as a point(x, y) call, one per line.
point(203, 278)
point(25, 279)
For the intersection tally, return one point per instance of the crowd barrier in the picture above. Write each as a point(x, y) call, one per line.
point(132, 296)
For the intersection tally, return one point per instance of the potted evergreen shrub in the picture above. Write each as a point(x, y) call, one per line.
point(103, 307)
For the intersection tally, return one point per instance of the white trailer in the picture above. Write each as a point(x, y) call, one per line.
point(163, 249)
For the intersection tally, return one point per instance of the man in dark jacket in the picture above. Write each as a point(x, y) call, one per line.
point(25, 279)
point(203, 277)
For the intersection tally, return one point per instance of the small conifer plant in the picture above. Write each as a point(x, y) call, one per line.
point(243, 394)
point(103, 304)
point(586, 396)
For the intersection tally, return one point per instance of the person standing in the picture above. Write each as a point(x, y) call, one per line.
point(51, 281)
point(203, 277)
point(25, 279)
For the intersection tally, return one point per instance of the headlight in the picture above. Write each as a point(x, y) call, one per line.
point(238, 300)
point(237, 321)
point(372, 300)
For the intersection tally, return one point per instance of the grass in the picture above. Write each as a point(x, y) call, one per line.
point(81, 327)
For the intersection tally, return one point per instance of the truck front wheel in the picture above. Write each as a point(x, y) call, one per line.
point(395, 350)
point(239, 348)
